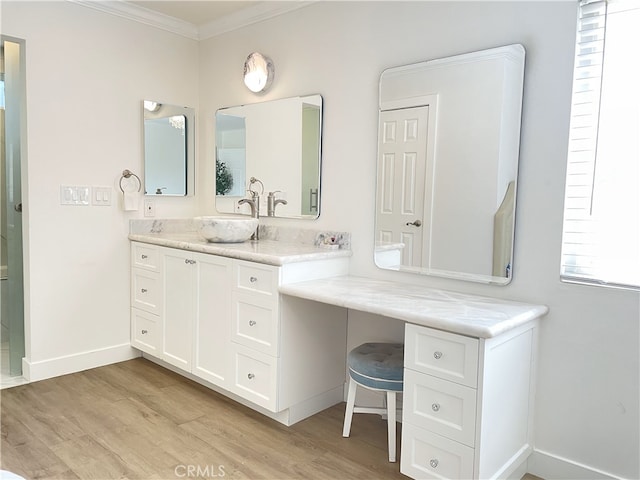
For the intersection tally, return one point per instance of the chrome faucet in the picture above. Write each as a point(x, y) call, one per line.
point(272, 203)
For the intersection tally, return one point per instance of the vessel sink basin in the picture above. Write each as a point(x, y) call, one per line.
point(226, 229)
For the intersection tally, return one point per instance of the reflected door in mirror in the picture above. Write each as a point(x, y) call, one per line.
point(463, 187)
point(402, 175)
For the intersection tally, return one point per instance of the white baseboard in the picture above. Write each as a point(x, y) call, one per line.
point(54, 367)
point(553, 467)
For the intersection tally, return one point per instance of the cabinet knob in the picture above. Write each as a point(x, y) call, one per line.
point(143, 290)
point(433, 462)
point(252, 323)
point(143, 256)
point(250, 376)
point(435, 407)
point(143, 332)
point(437, 355)
point(253, 279)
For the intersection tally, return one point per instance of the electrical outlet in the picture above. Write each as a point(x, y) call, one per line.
point(149, 208)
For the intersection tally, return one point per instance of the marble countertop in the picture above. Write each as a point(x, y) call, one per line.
point(471, 315)
point(271, 252)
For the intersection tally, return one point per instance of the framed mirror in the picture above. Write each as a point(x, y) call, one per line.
point(169, 144)
point(277, 142)
point(448, 146)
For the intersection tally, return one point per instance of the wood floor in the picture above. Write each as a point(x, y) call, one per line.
point(138, 420)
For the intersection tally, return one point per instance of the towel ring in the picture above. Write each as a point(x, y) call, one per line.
point(129, 174)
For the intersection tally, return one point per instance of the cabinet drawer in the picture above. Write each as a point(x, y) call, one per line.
point(440, 406)
point(442, 354)
point(145, 290)
point(428, 455)
point(255, 376)
point(145, 331)
point(252, 277)
point(255, 323)
point(145, 256)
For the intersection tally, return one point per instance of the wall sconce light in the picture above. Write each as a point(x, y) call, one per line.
point(151, 106)
point(258, 72)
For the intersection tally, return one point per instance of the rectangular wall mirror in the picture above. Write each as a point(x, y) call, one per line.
point(448, 146)
point(169, 143)
point(277, 142)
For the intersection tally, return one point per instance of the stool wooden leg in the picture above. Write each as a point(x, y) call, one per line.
point(348, 414)
point(391, 424)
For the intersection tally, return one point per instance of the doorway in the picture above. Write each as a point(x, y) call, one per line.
point(12, 133)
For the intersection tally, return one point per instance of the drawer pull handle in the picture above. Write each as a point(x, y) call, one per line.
point(144, 257)
point(143, 332)
point(143, 290)
point(437, 355)
point(433, 462)
point(251, 376)
point(252, 323)
point(253, 279)
point(435, 407)
point(189, 262)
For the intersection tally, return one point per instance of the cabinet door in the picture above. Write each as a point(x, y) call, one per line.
point(179, 308)
point(212, 359)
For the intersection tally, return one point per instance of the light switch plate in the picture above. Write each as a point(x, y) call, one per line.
point(101, 196)
point(74, 195)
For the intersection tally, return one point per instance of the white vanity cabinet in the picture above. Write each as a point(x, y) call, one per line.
point(467, 403)
point(255, 320)
point(196, 312)
point(224, 321)
point(146, 307)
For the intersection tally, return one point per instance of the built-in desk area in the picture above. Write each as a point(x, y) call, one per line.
point(469, 377)
point(472, 315)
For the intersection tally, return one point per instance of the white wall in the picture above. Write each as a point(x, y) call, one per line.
point(587, 403)
point(87, 73)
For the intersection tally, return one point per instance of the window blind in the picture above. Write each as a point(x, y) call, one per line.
point(601, 212)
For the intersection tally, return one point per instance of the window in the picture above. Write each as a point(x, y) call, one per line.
point(601, 231)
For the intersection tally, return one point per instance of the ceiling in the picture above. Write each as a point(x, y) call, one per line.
point(197, 19)
point(197, 12)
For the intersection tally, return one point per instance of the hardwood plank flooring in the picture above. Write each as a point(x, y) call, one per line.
point(138, 420)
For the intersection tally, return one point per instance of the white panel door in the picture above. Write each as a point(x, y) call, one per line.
point(179, 308)
point(401, 180)
point(211, 359)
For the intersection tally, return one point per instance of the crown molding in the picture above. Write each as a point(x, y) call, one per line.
point(248, 16)
point(233, 21)
point(133, 12)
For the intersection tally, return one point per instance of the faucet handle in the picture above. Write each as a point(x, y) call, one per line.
point(273, 194)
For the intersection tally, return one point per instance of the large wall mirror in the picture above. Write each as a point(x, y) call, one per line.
point(277, 142)
point(169, 142)
point(448, 146)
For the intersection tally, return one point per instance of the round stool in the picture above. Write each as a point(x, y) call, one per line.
point(379, 367)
